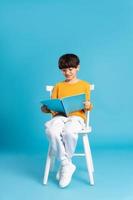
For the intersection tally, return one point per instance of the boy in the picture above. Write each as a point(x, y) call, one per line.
point(63, 131)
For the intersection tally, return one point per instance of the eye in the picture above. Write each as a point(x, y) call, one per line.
point(63, 70)
point(70, 69)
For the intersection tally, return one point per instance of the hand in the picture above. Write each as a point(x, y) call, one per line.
point(54, 113)
point(45, 109)
point(87, 105)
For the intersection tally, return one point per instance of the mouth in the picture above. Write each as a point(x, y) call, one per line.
point(68, 76)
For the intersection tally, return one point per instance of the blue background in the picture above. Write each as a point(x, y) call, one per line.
point(33, 35)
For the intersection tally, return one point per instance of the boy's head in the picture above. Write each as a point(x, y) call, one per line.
point(68, 61)
point(69, 65)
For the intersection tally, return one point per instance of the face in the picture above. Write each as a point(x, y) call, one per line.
point(70, 73)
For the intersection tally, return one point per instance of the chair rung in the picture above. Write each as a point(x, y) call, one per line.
point(79, 154)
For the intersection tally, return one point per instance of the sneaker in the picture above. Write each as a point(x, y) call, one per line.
point(65, 174)
point(63, 162)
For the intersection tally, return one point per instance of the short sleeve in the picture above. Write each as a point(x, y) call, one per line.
point(87, 92)
point(55, 92)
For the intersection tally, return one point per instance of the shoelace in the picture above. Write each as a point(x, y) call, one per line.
point(64, 171)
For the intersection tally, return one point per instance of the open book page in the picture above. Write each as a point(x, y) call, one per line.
point(54, 105)
point(67, 104)
point(74, 103)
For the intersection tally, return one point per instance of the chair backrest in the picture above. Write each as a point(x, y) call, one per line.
point(49, 89)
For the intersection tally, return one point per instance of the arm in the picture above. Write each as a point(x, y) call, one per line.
point(54, 96)
point(87, 104)
point(45, 109)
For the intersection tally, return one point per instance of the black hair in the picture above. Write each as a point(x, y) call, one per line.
point(68, 60)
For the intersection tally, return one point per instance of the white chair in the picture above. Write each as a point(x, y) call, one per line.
point(87, 150)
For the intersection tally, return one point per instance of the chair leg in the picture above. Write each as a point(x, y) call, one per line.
point(89, 150)
point(48, 165)
point(88, 158)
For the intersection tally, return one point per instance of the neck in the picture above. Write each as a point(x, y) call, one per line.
point(74, 80)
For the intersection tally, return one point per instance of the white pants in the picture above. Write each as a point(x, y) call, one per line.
point(62, 133)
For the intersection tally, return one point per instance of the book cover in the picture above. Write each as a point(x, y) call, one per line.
point(66, 104)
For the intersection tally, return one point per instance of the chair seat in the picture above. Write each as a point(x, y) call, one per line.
point(86, 130)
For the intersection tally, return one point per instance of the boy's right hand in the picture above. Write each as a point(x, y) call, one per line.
point(45, 109)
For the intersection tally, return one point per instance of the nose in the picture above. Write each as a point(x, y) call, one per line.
point(67, 72)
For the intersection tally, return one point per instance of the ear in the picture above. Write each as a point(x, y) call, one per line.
point(78, 68)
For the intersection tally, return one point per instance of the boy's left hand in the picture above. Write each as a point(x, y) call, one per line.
point(87, 105)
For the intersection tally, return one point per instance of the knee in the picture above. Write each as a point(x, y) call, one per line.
point(52, 133)
point(69, 133)
point(70, 129)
